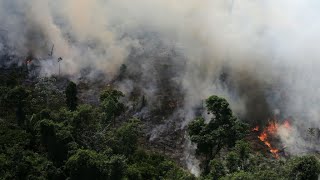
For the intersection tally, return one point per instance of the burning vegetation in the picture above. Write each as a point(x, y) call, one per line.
point(269, 135)
point(136, 111)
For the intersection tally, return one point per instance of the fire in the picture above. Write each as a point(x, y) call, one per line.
point(264, 138)
point(272, 127)
point(269, 132)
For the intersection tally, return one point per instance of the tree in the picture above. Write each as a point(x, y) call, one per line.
point(55, 137)
point(88, 164)
point(71, 96)
point(232, 162)
point(125, 139)
point(268, 175)
point(306, 167)
point(85, 124)
point(147, 165)
point(17, 98)
point(223, 130)
point(11, 135)
point(217, 169)
point(242, 148)
point(240, 175)
point(26, 164)
point(110, 102)
point(46, 94)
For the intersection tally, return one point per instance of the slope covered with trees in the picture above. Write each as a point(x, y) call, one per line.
point(47, 132)
point(226, 154)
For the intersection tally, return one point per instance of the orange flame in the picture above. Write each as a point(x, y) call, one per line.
point(269, 131)
point(264, 138)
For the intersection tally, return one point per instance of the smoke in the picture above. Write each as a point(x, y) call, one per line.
point(260, 55)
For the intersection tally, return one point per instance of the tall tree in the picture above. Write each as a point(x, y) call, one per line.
point(110, 102)
point(85, 123)
point(125, 139)
point(16, 98)
point(71, 96)
point(223, 130)
point(55, 137)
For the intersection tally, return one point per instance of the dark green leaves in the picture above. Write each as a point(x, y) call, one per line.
point(110, 103)
point(88, 164)
point(71, 96)
point(222, 130)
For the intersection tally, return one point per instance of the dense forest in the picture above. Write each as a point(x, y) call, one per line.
point(47, 132)
point(159, 90)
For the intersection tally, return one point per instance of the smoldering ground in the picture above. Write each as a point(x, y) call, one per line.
point(260, 55)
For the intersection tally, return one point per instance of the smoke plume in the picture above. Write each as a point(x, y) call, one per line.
point(262, 56)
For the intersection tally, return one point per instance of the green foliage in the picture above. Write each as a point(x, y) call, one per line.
point(18, 164)
point(232, 161)
point(52, 142)
point(17, 99)
point(3, 101)
point(240, 175)
point(45, 94)
point(243, 149)
point(306, 167)
point(62, 115)
point(268, 175)
point(17, 96)
point(110, 103)
point(87, 164)
point(223, 130)
point(126, 137)
point(144, 165)
point(85, 124)
point(217, 169)
point(242, 153)
point(55, 137)
point(71, 96)
point(260, 168)
point(11, 135)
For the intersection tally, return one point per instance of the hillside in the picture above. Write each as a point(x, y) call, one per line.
point(159, 89)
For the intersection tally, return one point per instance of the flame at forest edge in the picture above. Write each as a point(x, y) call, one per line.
point(270, 132)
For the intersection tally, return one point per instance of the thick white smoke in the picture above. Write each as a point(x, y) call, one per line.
point(267, 50)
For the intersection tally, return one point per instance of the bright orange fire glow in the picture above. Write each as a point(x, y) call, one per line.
point(271, 131)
